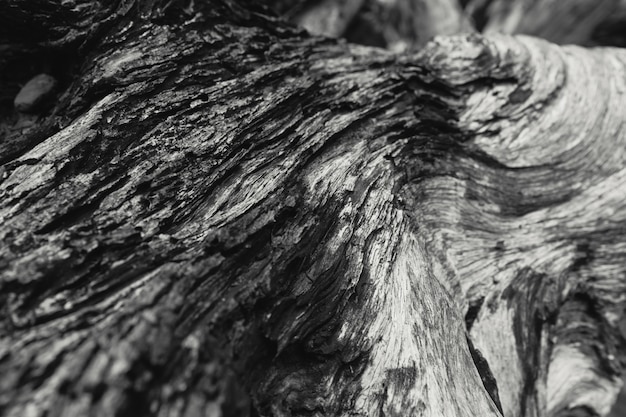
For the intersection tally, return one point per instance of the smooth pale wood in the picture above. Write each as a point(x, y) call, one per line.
point(224, 213)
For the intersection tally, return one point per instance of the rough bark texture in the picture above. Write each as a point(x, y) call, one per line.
point(222, 215)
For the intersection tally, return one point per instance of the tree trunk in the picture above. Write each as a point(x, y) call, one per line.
point(220, 214)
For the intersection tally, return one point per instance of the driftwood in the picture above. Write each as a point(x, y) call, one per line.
point(220, 214)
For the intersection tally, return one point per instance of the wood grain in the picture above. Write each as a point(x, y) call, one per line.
point(223, 215)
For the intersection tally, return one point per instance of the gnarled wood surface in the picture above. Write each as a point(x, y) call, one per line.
point(222, 215)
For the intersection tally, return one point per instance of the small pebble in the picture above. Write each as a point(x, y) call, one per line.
point(35, 92)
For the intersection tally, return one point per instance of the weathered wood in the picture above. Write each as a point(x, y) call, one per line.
point(222, 206)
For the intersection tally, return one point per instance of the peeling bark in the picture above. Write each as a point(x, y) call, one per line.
point(223, 215)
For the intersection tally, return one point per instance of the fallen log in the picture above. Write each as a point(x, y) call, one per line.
point(223, 215)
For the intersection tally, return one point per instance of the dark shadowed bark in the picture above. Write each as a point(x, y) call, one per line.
point(220, 214)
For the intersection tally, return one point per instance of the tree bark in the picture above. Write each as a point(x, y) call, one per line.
point(221, 214)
